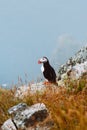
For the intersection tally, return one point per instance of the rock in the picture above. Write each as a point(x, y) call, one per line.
point(8, 125)
point(22, 91)
point(75, 66)
point(37, 87)
point(61, 83)
point(32, 88)
point(79, 69)
point(19, 107)
point(64, 76)
point(30, 116)
point(24, 116)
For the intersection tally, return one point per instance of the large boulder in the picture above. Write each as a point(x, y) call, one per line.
point(23, 116)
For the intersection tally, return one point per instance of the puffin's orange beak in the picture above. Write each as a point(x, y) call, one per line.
point(39, 62)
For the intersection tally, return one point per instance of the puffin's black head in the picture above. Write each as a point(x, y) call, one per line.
point(43, 60)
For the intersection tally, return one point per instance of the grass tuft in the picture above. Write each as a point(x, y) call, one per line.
point(67, 105)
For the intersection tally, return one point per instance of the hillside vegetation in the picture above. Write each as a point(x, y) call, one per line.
point(67, 105)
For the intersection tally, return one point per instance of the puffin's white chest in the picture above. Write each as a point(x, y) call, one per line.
point(42, 68)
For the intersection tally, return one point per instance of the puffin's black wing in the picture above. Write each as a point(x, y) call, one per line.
point(50, 74)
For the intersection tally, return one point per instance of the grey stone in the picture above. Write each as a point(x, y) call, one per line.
point(19, 107)
point(23, 91)
point(24, 117)
point(29, 116)
point(8, 125)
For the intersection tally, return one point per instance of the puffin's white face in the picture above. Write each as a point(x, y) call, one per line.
point(42, 60)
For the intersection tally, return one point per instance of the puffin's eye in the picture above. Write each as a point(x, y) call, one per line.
point(44, 59)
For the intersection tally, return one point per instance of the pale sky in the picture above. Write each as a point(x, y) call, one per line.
point(30, 29)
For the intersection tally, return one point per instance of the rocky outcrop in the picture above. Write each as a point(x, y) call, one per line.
point(23, 116)
point(23, 90)
point(75, 66)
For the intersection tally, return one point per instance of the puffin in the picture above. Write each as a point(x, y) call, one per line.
point(47, 70)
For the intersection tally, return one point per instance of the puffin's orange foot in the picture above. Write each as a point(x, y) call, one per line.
point(47, 83)
point(50, 83)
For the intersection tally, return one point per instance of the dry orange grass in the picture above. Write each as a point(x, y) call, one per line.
point(6, 101)
point(68, 110)
point(67, 105)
